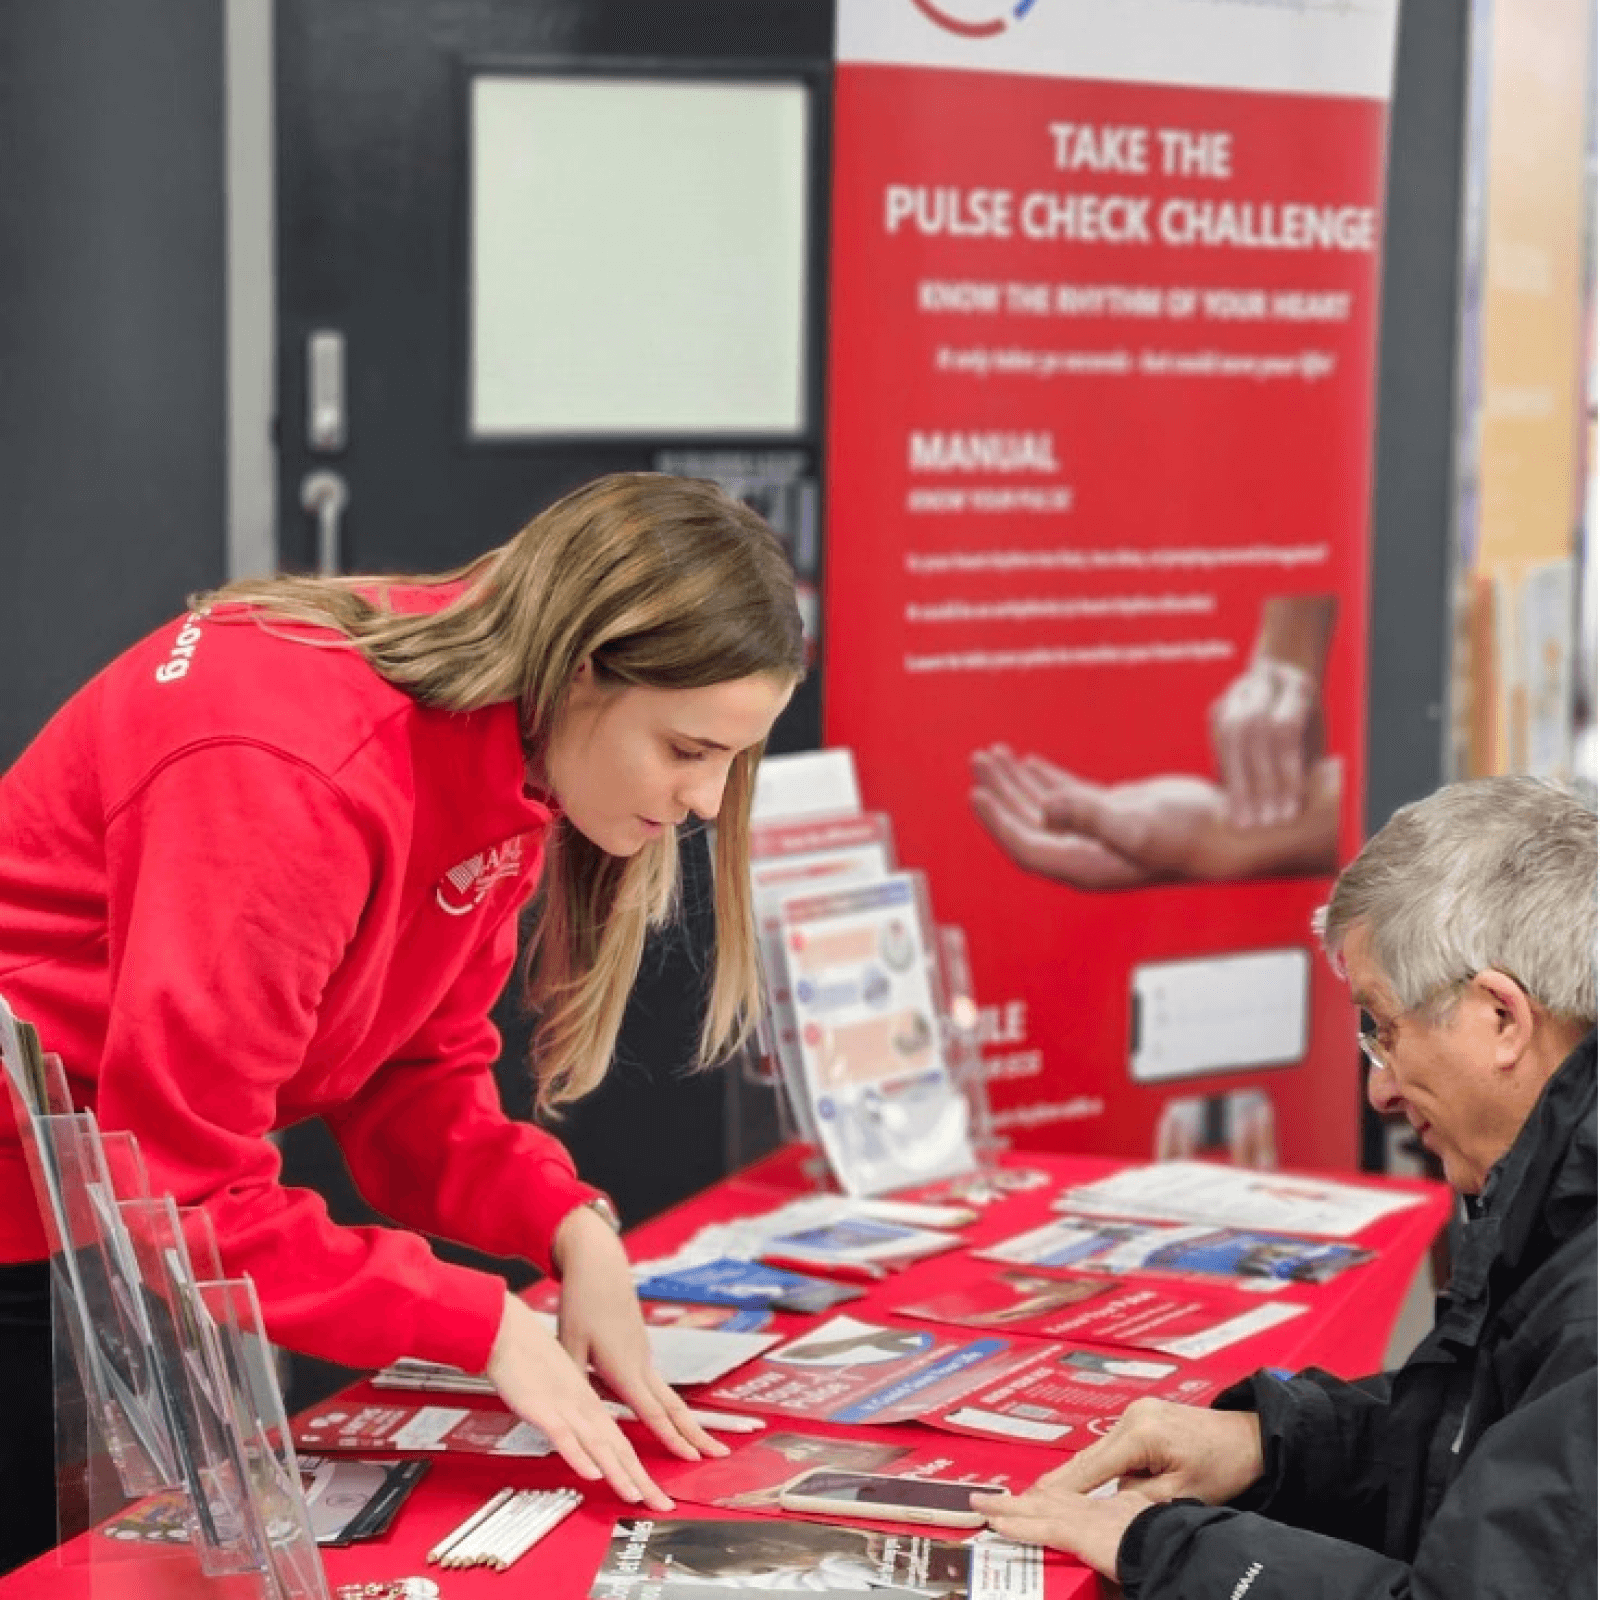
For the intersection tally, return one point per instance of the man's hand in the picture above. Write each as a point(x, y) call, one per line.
point(1157, 1452)
point(601, 1326)
point(537, 1379)
point(1165, 1451)
point(1090, 1529)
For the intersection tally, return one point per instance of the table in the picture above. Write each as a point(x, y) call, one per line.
point(1346, 1331)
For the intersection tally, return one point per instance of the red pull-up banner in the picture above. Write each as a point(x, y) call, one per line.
point(1103, 314)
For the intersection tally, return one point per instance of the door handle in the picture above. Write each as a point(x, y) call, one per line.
point(325, 495)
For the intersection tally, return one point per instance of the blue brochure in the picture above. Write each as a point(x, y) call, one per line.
point(747, 1283)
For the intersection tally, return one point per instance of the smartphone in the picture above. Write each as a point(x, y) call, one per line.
point(867, 1494)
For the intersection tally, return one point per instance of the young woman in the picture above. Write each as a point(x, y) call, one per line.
point(269, 865)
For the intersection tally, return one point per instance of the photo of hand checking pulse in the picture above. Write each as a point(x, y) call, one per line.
point(271, 864)
point(1272, 810)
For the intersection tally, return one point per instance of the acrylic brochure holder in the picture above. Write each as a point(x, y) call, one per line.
point(168, 1411)
point(871, 1026)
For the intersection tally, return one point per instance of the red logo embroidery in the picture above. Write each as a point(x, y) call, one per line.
point(462, 888)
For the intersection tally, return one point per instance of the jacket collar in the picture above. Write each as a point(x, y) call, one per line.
point(1545, 1184)
point(472, 791)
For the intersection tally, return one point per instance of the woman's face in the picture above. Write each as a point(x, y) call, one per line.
point(626, 763)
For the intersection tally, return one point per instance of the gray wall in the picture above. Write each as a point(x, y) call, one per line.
point(112, 349)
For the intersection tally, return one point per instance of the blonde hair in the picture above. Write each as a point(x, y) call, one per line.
point(661, 583)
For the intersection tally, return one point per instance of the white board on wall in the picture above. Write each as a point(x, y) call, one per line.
point(638, 256)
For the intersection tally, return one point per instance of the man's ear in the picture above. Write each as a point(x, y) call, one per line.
point(1513, 1015)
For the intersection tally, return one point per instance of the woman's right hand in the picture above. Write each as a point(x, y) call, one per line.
point(538, 1380)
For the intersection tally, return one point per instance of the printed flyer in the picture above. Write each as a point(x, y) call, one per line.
point(1103, 313)
point(1203, 1191)
point(1265, 1260)
point(998, 1387)
point(849, 1371)
point(881, 1095)
point(750, 1478)
point(681, 1560)
point(1192, 1320)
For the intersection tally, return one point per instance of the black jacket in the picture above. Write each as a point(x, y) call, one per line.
point(1470, 1472)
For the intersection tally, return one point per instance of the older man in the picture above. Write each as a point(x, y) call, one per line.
point(1466, 930)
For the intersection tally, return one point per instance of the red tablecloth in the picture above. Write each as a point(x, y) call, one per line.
point(1346, 1330)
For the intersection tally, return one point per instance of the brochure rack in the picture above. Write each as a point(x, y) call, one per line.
point(165, 1383)
point(871, 1037)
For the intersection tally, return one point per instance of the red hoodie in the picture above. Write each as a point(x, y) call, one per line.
point(244, 881)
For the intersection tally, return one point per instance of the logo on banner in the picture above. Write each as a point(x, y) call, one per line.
point(974, 19)
point(463, 887)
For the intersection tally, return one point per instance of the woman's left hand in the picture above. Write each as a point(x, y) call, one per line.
point(600, 1325)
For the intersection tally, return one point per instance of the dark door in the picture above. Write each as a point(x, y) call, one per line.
point(373, 228)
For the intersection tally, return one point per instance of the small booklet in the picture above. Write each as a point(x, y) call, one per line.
point(697, 1560)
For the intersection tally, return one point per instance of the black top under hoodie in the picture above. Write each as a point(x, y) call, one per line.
point(1470, 1472)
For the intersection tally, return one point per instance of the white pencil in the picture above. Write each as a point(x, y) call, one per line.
point(471, 1525)
point(569, 1502)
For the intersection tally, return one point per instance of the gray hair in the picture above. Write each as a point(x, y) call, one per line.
point(1493, 872)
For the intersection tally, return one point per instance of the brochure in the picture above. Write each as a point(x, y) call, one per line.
point(677, 1559)
point(731, 1282)
point(1238, 1197)
point(343, 1427)
point(792, 858)
point(1189, 1320)
point(684, 1354)
point(1074, 1395)
point(750, 1478)
point(849, 1371)
point(835, 1234)
point(1012, 1387)
point(669, 1313)
point(1267, 1260)
point(886, 1106)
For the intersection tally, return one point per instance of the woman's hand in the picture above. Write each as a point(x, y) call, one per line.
point(537, 1379)
point(601, 1326)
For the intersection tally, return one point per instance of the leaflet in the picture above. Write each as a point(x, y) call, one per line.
point(1263, 1260)
point(887, 1109)
point(849, 1371)
point(690, 1560)
point(1189, 1320)
point(750, 1478)
point(1074, 1395)
point(1012, 1387)
point(805, 858)
point(731, 1282)
point(832, 1233)
point(340, 1427)
point(1238, 1197)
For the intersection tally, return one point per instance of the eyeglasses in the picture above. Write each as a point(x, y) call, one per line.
point(1372, 1046)
point(1370, 1036)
